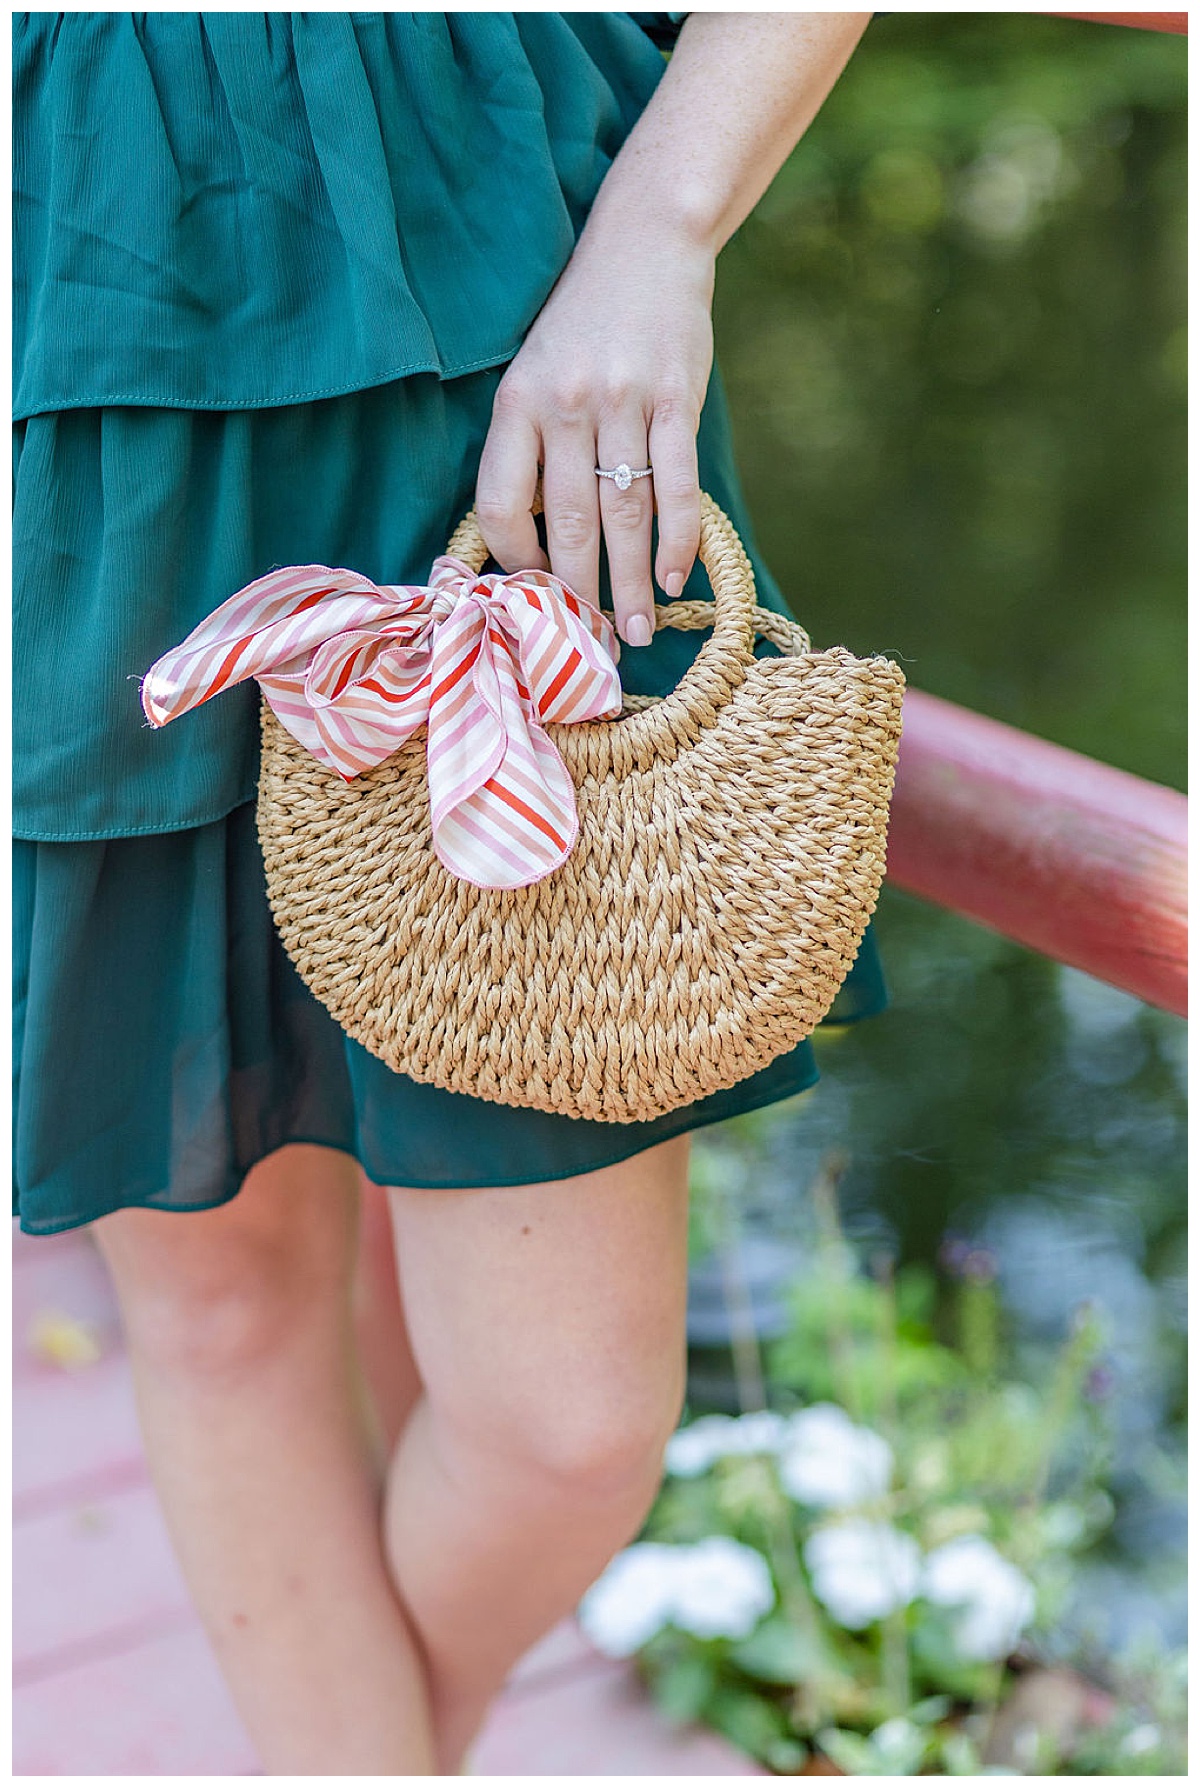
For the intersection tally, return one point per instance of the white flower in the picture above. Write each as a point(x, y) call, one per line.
point(900, 1744)
point(862, 1570)
point(692, 1450)
point(722, 1589)
point(1139, 1741)
point(994, 1601)
point(827, 1462)
point(716, 1589)
point(631, 1601)
point(758, 1431)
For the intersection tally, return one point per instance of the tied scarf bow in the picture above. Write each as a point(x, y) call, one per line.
point(353, 668)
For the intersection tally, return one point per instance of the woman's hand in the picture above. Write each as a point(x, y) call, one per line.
point(616, 365)
point(614, 369)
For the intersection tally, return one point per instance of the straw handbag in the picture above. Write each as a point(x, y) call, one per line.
point(729, 855)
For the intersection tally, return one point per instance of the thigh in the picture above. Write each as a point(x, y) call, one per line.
point(566, 1297)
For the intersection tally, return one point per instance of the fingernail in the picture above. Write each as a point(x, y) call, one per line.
point(673, 584)
point(638, 630)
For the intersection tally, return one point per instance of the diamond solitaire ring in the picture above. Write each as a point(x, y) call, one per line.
point(623, 475)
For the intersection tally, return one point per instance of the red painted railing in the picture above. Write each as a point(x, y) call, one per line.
point(1079, 861)
point(1142, 21)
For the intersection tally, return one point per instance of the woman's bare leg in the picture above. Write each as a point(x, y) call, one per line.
point(239, 1328)
point(547, 1322)
point(390, 1372)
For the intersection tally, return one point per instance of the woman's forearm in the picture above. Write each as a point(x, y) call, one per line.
point(739, 92)
point(616, 365)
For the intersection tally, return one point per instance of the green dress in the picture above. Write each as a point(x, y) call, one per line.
point(269, 269)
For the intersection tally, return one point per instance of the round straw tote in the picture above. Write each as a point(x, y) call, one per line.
point(730, 853)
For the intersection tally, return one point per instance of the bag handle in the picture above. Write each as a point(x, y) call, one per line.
point(657, 726)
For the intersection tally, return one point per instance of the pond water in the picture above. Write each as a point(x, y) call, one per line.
point(952, 337)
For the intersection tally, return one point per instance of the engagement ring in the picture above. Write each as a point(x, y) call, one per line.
point(623, 475)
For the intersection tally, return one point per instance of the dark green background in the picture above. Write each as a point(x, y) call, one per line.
point(953, 337)
point(953, 333)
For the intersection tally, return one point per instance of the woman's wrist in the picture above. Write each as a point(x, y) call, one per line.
point(666, 217)
point(653, 242)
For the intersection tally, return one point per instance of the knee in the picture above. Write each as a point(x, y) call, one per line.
point(202, 1317)
point(600, 1445)
point(602, 1442)
point(208, 1295)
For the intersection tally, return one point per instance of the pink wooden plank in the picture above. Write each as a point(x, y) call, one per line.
point(563, 1651)
point(160, 1709)
point(1175, 22)
point(28, 1247)
point(85, 1576)
point(74, 1432)
point(1073, 858)
point(71, 1428)
point(66, 1274)
point(601, 1723)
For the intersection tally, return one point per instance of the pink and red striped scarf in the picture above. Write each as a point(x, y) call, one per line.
point(353, 668)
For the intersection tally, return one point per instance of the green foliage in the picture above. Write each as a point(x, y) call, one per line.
point(896, 1748)
point(802, 1359)
point(756, 1725)
point(685, 1682)
point(780, 1652)
point(953, 336)
point(1147, 1735)
point(979, 1449)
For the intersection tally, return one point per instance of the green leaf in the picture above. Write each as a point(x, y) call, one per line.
point(938, 1663)
point(960, 1755)
point(916, 1294)
point(779, 1652)
point(931, 1710)
point(748, 1720)
point(682, 1690)
point(787, 1756)
point(900, 1746)
point(852, 1754)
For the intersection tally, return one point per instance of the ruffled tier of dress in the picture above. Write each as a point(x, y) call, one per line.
point(225, 210)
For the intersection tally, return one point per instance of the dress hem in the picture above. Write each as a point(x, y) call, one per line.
point(24, 835)
point(608, 1159)
point(344, 388)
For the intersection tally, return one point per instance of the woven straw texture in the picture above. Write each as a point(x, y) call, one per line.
point(730, 854)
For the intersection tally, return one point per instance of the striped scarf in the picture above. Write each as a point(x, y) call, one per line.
point(353, 668)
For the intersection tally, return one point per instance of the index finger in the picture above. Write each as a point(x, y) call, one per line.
point(677, 494)
point(504, 489)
